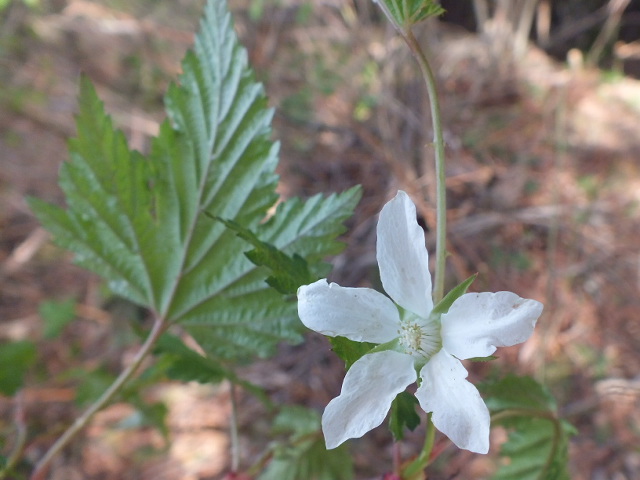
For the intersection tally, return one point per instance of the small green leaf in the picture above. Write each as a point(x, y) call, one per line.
point(405, 13)
point(537, 447)
point(445, 304)
point(349, 350)
point(514, 392)
point(288, 272)
point(403, 414)
point(56, 316)
point(15, 360)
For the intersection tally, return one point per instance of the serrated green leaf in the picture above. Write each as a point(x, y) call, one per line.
point(445, 304)
point(15, 360)
point(249, 314)
point(288, 272)
point(405, 13)
point(403, 415)
point(108, 221)
point(350, 350)
point(56, 316)
point(514, 392)
point(305, 456)
point(140, 221)
point(537, 447)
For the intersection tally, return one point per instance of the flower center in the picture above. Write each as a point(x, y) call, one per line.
point(419, 337)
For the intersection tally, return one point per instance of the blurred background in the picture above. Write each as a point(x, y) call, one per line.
point(541, 107)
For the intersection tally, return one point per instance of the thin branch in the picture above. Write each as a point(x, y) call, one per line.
point(81, 422)
point(615, 10)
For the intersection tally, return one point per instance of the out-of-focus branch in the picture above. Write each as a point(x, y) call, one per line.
point(615, 10)
point(20, 438)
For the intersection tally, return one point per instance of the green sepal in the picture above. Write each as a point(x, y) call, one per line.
point(403, 414)
point(349, 350)
point(445, 304)
point(490, 358)
point(383, 347)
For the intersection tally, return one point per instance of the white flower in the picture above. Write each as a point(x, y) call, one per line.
point(427, 343)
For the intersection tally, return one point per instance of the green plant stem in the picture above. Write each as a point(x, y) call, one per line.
point(438, 141)
point(422, 461)
point(42, 467)
point(233, 427)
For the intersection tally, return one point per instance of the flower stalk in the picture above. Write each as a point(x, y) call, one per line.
point(423, 459)
point(404, 29)
point(438, 142)
point(441, 202)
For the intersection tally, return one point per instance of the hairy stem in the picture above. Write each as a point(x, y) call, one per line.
point(438, 141)
point(42, 467)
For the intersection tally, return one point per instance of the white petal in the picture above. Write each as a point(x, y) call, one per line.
point(403, 257)
point(458, 409)
point(477, 323)
point(369, 387)
point(360, 314)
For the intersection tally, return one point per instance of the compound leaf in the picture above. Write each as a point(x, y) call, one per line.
point(146, 223)
point(537, 447)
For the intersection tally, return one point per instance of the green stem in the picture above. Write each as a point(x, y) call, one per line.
point(42, 467)
point(438, 141)
point(233, 427)
point(422, 461)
